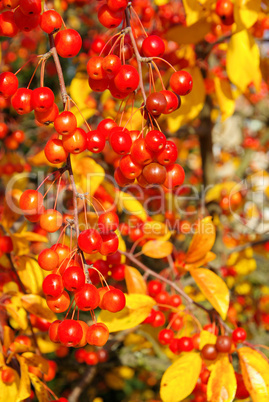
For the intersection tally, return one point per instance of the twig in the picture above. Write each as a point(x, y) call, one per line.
point(85, 381)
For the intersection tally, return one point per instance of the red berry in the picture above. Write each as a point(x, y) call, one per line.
point(68, 43)
point(120, 140)
point(96, 141)
point(209, 352)
point(109, 18)
point(75, 143)
point(181, 82)
point(53, 285)
point(173, 101)
point(159, 319)
point(111, 64)
point(69, 332)
point(65, 123)
point(129, 168)
point(153, 46)
point(239, 335)
point(110, 243)
point(97, 334)
point(127, 79)
point(114, 300)
point(154, 287)
point(168, 155)
point(185, 344)
point(166, 336)
point(42, 99)
point(87, 297)
point(8, 26)
point(90, 241)
point(174, 176)
point(154, 173)
point(21, 101)
point(156, 103)
point(73, 278)
point(95, 69)
point(30, 7)
point(50, 21)
point(155, 140)
point(55, 152)
point(108, 221)
point(6, 245)
point(140, 153)
point(8, 84)
point(105, 126)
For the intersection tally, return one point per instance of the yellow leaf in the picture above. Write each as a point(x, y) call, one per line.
point(129, 204)
point(18, 315)
point(37, 305)
point(35, 360)
point(134, 281)
point(205, 338)
point(8, 336)
point(45, 345)
point(246, 13)
point(225, 97)
point(137, 309)
point(79, 89)
point(85, 112)
point(8, 392)
point(213, 288)
point(21, 241)
point(180, 378)
point(189, 34)
point(191, 104)
point(40, 390)
point(24, 387)
point(243, 61)
point(255, 371)
point(196, 10)
point(88, 174)
point(157, 248)
point(155, 229)
point(221, 386)
point(30, 274)
point(202, 241)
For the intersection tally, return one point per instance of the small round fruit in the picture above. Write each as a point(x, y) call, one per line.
point(209, 352)
point(114, 300)
point(97, 334)
point(223, 344)
point(87, 298)
point(90, 241)
point(153, 46)
point(69, 332)
point(154, 173)
point(51, 220)
point(68, 43)
point(181, 82)
point(108, 222)
point(239, 335)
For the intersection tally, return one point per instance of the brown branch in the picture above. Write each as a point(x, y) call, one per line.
point(85, 381)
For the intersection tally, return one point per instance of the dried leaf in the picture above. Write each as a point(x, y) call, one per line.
point(35, 360)
point(213, 288)
point(40, 390)
point(157, 248)
point(255, 371)
point(24, 387)
point(137, 309)
point(18, 314)
point(21, 241)
point(221, 386)
point(134, 281)
point(186, 369)
point(9, 336)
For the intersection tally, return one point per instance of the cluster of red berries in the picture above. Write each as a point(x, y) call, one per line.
point(90, 357)
point(12, 140)
point(111, 13)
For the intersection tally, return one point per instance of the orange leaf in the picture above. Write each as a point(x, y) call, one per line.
point(134, 281)
point(222, 382)
point(157, 248)
point(37, 305)
point(202, 241)
point(255, 371)
point(213, 288)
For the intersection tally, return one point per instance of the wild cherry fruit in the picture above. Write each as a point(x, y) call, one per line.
point(73, 278)
point(8, 84)
point(90, 241)
point(69, 332)
point(223, 344)
point(58, 304)
point(68, 43)
point(174, 176)
point(155, 140)
point(120, 140)
point(51, 220)
point(239, 335)
point(156, 103)
point(225, 9)
point(42, 99)
point(50, 21)
point(109, 18)
point(87, 297)
point(140, 153)
point(108, 221)
point(209, 352)
point(65, 123)
point(181, 82)
point(96, 141)
point(153, 46)
point(127, 79)
point(31, 202)
point(114, 300)
point(97, 334)
point(21, 101)
point(55, 152)
point(166, 336)
point(53, 285)
point(110, 243)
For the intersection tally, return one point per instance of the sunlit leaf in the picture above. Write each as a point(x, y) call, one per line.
point(202, 241)
point(255, 371)
point(40, 390)
point(221, 386)
point(225, 97)
point(129, 204)
point(180, 378)
point(213, 288)
point(157, 248)
point(189, 34)
point(191, 104)
point(9, 392)
point(21, 241)
point(205, 338)
point(37, 305)
point(8, 336)
point(24, 387)
point(137, 309)
point(30, 273)
point(134, 281)
point(243, 61)
point(196, 10)
point(18, 314)
point(246, 13)
point(88, 174)
point(35, 360)
point(39, 159)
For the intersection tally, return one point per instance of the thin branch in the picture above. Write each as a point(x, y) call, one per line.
point(85, 381)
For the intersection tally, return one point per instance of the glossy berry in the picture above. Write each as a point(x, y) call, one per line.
point(51, 220)
point(68, 43)
point(26, 22)
point(50, 21)
point(223, 344)
point(209, 352)
point(168, 155)
point(87, 297)
point(91, 358)
point(75, 143)
point(65, 123)
point(95, 69)
point(225, 9)
point(97, 334)
point(8, 84)
point(30, 7)
point(173, 101)
point(69, 332)
point(31, 202)
point(129, 168)
point(53, 285)
point(115, 5)
point(48, 116)
point(166, 336)
point(174, 346)
point(156, 103)
point(155, 140)
point(154, 173)
point(58, 304)
point(7, 375)
point(127, 79)
point(120, 140)
point(114, 300)
point(120, 179)
point(109, 18)
point(175, 176)
point(21, 101)
point(118, 272)
point(96, 141)
point(154, 287)
point(110, 243)
point(153, 46)
point(53, 331)
point(181, 82)
point(55, 152)
point(185, 344)
point(73, 278)
point(159, 319)
point(108, 221)
point(90, 241)
point(111, 64)
point(105, 126)
point(8, 26)
point(6, 245)
point(239, 335)
point(42, 99)
point(140, 153)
